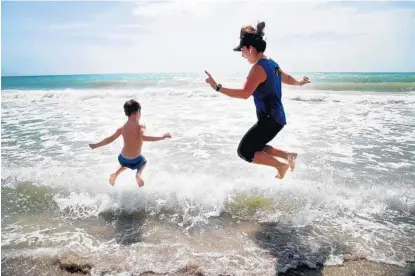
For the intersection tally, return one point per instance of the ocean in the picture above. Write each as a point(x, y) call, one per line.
point(203, 209)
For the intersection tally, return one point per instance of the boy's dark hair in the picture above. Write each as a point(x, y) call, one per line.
point(131, 106)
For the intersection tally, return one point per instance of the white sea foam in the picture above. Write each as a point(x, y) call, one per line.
point(352, 184)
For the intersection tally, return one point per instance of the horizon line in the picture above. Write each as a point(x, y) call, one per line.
point(194, 73)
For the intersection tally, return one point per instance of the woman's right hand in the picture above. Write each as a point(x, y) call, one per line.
point(210, 80)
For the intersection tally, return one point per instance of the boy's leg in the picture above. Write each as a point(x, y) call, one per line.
point(266, 159)
point(114, 176)
point(140, 181)
point(289, 156)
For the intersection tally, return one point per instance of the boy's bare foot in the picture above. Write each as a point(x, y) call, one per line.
point(140, 181)
point(291, 160)
point(281, 171)
point(112, 179)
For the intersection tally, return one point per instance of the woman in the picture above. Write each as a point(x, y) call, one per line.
point(264, 83)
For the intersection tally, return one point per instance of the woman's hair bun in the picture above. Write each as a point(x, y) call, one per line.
point(260, 29)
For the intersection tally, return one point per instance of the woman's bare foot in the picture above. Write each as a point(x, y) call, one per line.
point(112, 179)
point(281, 171)
point(291, 160)
point(140, 181)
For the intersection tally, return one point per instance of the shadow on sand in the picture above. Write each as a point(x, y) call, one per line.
point(294, 255)
point(128, 226)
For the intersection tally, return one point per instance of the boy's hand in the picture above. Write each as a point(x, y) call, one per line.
point(92, 146)
point(167, 135)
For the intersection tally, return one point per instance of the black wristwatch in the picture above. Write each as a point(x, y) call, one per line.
point(218, 87)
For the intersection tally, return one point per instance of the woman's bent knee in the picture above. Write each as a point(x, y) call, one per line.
point(245, 153)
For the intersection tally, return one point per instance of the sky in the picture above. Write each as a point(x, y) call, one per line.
point(48, 38)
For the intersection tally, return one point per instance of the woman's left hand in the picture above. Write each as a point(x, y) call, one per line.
point(210, 80)
point(305, 80)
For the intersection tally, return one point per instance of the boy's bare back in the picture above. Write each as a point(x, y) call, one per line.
point(132, 133)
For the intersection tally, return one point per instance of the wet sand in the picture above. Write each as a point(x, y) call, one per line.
point(66, 265)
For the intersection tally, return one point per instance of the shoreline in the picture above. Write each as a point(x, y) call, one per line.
point(359, 267)
point(71, 264)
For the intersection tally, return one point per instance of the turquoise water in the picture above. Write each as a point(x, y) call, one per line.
point(80, 81)
point(382, 82)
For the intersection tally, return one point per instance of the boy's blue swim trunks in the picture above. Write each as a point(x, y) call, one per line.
point(134, 164)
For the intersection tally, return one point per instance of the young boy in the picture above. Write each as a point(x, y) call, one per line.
point(133, 134)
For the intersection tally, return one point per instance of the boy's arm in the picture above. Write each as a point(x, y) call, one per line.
point(290, 80)
point(148, 138)
point(107, 140)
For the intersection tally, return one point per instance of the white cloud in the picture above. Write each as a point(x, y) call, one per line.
point(302, 36)
point(132, 26)
point(190, 36)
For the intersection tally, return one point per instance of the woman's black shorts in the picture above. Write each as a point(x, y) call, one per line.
point(258, 137)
